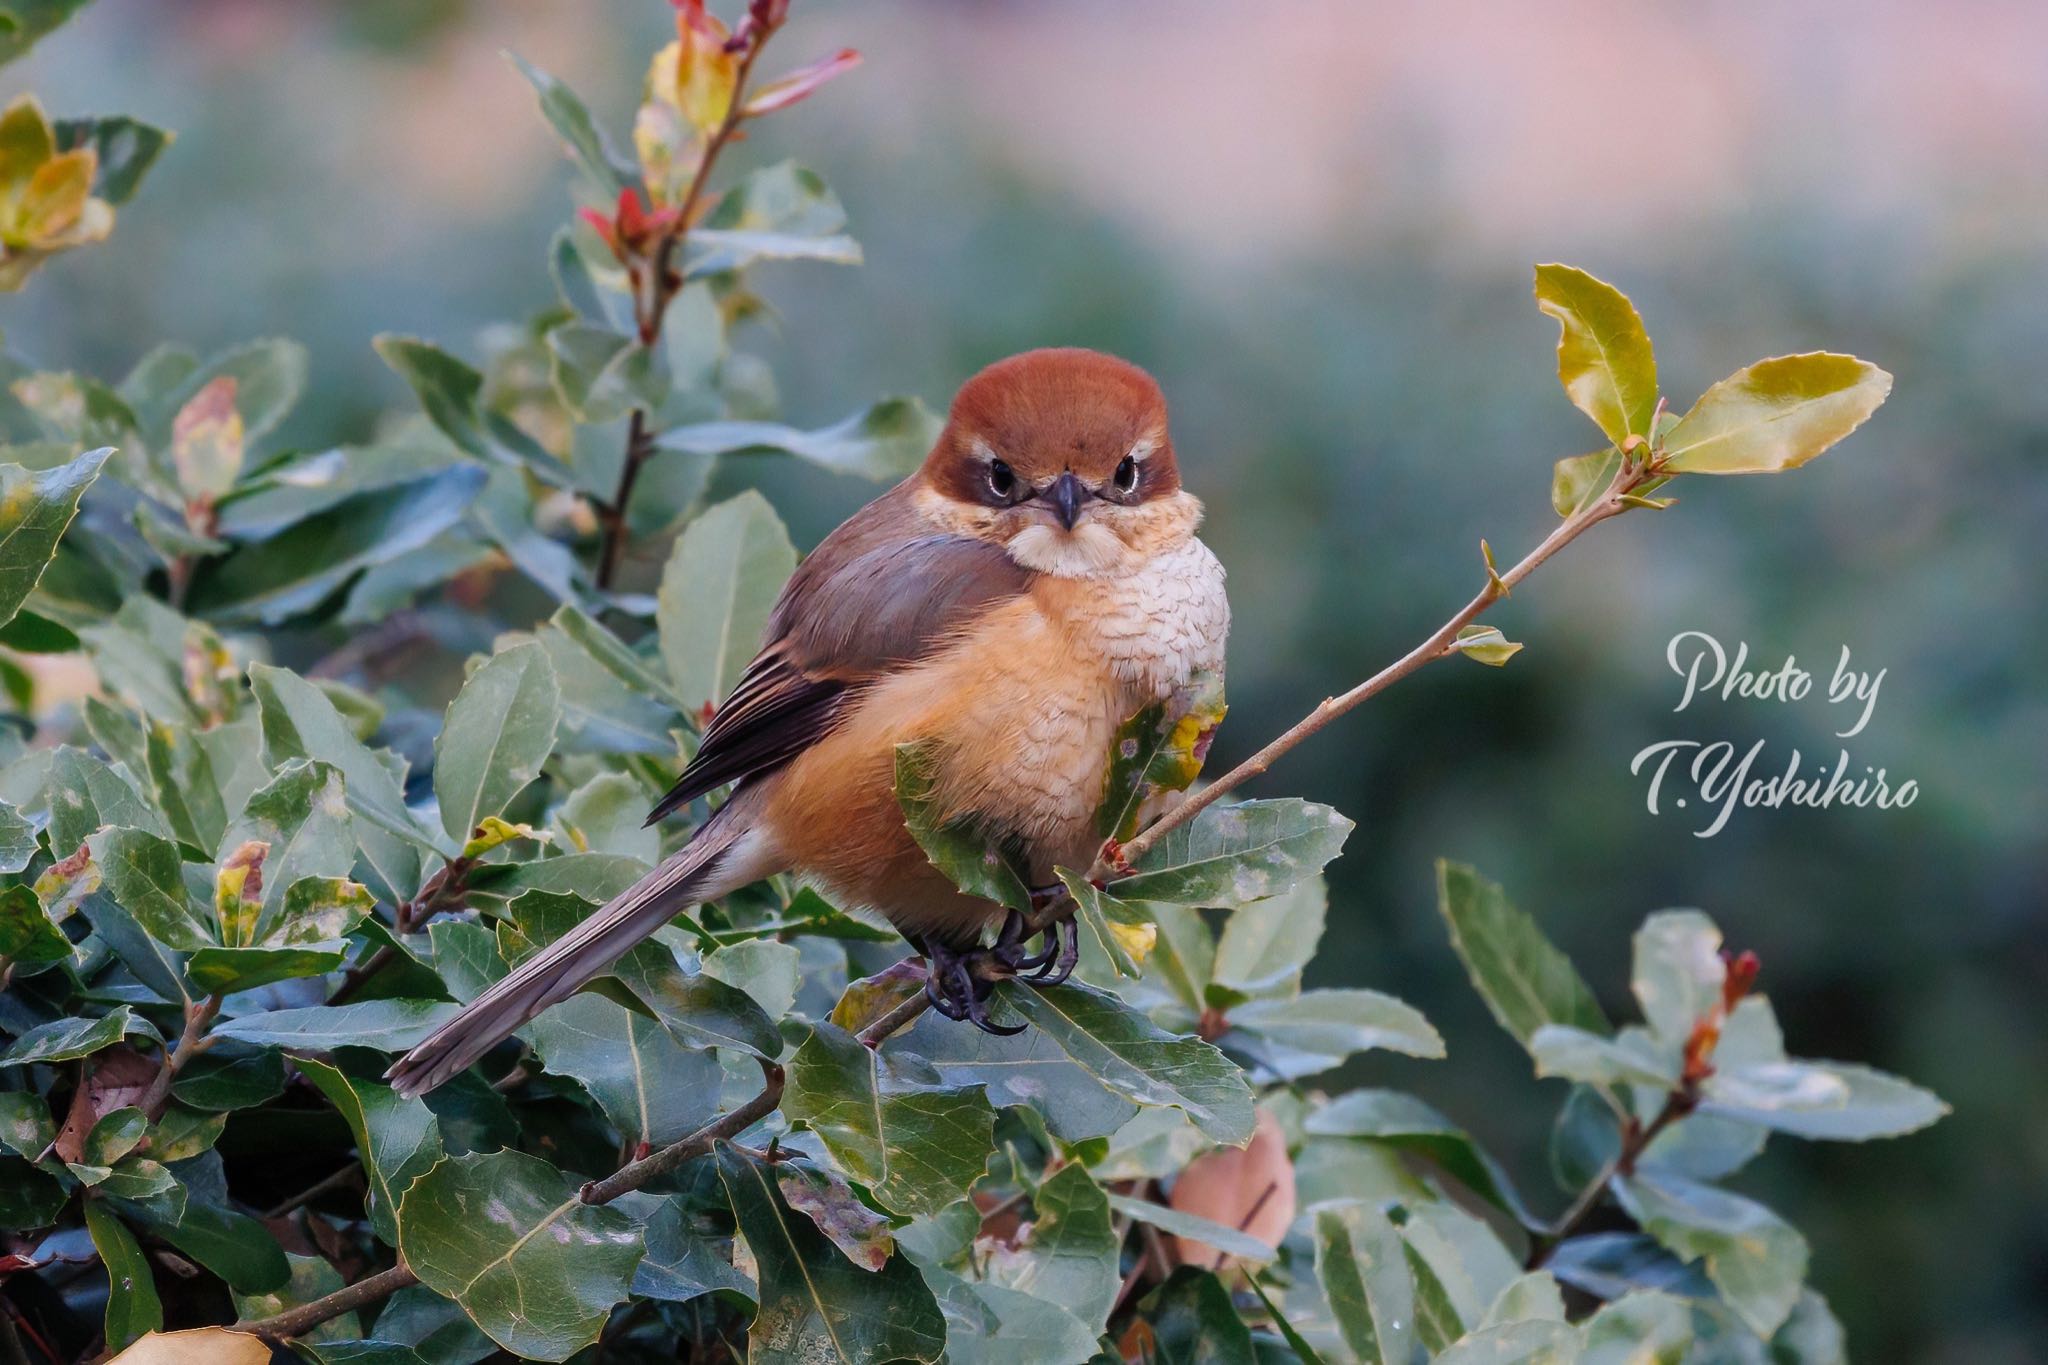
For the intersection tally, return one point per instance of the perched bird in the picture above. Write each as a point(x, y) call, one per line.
point(1034, 584)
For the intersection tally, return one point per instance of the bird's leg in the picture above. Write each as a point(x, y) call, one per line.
point(959, 984)
point(1062, 952)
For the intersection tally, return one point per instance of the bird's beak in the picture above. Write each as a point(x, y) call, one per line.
point(1065, 495)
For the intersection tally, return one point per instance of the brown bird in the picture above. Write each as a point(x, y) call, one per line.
point(1034, 584)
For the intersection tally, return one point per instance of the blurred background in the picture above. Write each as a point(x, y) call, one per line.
point(1315, 224)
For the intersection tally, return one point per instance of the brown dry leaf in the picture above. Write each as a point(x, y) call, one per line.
point(200, 1346)
point(1251, 1190)
point(871, 997)
point(120, 1077)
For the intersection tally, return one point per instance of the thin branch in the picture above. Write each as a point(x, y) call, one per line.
point(193, 1041)
point(634, 1175)
point(874, 1034)
point(654, 291)
point(1636, 1138)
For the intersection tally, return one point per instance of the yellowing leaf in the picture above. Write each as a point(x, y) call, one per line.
point(1775, 414)
point(238, 893)
point(1486, 645)
point(200, 1346)
point(206, 441)
point(1604, 358)
point(492, 831)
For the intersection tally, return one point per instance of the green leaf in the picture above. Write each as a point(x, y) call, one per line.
point(29, 20)
point(31, 633)
point(815, 1305)
point(1159, 750)
point(300, 721)
point(232, 1076)
point(35, 509)
point(1228, 1240)
point(1533, 1297)
point(1776, 414)
point(1838, 1101)
point(27, 933)
point(1233, 855)
point(499, 730)
point(302, 818)
point(232, 1245)
point(1578, 479)
point(1194, 1322)
point(957, 848)
point(1610, 1264)
point(125, 148)
point(1070, 1257)
point(890, 1122)
point(768, 971)
point(1363, 1268)
point(114, 1136)
point(451, 393)
point(66, 1040)
point(1628, 1058)
point(717, 589)
point(1266, 945)
point(1525, 981)
point(1122, 932)
point(652, 1088)
point(1486, 645)
point(397, 1139)
point(291, 573)
point(145, 875)
point(132, 1304)
point(1319, 1029)
point(84, 794)
point(607, 815)
point(1028, 1069)
point(601, 375)
point(312, 1278)
point(182, 774)
point(1641, 1328)
point(581, 136)
point(385, 1025)
point(1404, 1122)
point(1604, 359)
point(684, 1260)
point(698, 1010)
point(886, 441)
point(1130, 1055)
point(1677, 972)
point(1516, 1343)
point(610, 703)
point(269, 375)
point(1754, 1258)
point(506, 1236)
point(780, 212)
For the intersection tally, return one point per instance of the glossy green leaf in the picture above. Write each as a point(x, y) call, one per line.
point(957, 848)
point(385, 1025)
point(763, 968)
point(601, 375)
point(66, 1040)
point(815, 1305)
point(1133, 1057)
point(780, 212)
point(1070, 1257)
point(1317, 1030)
point(1524, 980)
point(717, 589)
point(1644, 1327)
point(231, 1076)
point(302, 816)
point(1604, 358)
point(890, 1122)
point(35, 509)
point(146, 876)
point(506, 1236)
point(1029, 1069)
point(451, 392)
point(1516, 1343)
point(607, 814)
point(133, 1307)
point(1228, 1240)
point(687, 1255)
point(1630, 1057)
point(498, 731)
point(1363, 1268)
point(1194, 1322)
point(397, 1139)
point(17, 839)
point(1577, 480)
point(271, 581)
point(1532, 1297)
point(181, 772)
point(1266, 945)
point(1831, 1100)
point(1610, 1264)
point(1776, 414)
point(1404, 1122)
point(232, 1245)
point(27, 933)
point(885, 441)
point(1754, 1258)
point(611, 702)
point(1236, 854)
point(698, 1010)
point(651, 1087)
point(581, 136)
point(83, 794)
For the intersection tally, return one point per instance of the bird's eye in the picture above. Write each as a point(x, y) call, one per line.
point(1126, 476)
point(1001, 481)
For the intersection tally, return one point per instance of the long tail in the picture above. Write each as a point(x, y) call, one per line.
point(724, 856)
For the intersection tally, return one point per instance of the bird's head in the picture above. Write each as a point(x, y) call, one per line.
point(1062, 457)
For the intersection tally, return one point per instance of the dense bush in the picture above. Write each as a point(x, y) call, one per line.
point(236, 882)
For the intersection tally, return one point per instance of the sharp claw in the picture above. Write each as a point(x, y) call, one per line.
point(1069, 939)
point(978, 1013)
point(960, 984)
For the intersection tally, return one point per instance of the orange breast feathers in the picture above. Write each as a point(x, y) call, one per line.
point(1023, 707)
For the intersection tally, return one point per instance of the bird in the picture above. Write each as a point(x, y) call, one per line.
point(1034, 584)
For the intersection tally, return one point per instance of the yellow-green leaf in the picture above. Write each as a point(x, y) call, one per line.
point(1604, 358)
point(1775, 414)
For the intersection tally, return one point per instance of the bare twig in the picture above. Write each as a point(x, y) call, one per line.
point(1636, 1138)
point(876, 1033)
point(295, 1321)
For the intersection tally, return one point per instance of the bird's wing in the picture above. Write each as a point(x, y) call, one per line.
point(881, 593)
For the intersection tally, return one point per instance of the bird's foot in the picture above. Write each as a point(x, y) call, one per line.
point(959, 983)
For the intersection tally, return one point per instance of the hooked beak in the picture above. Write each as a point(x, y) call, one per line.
point(1065, 495)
